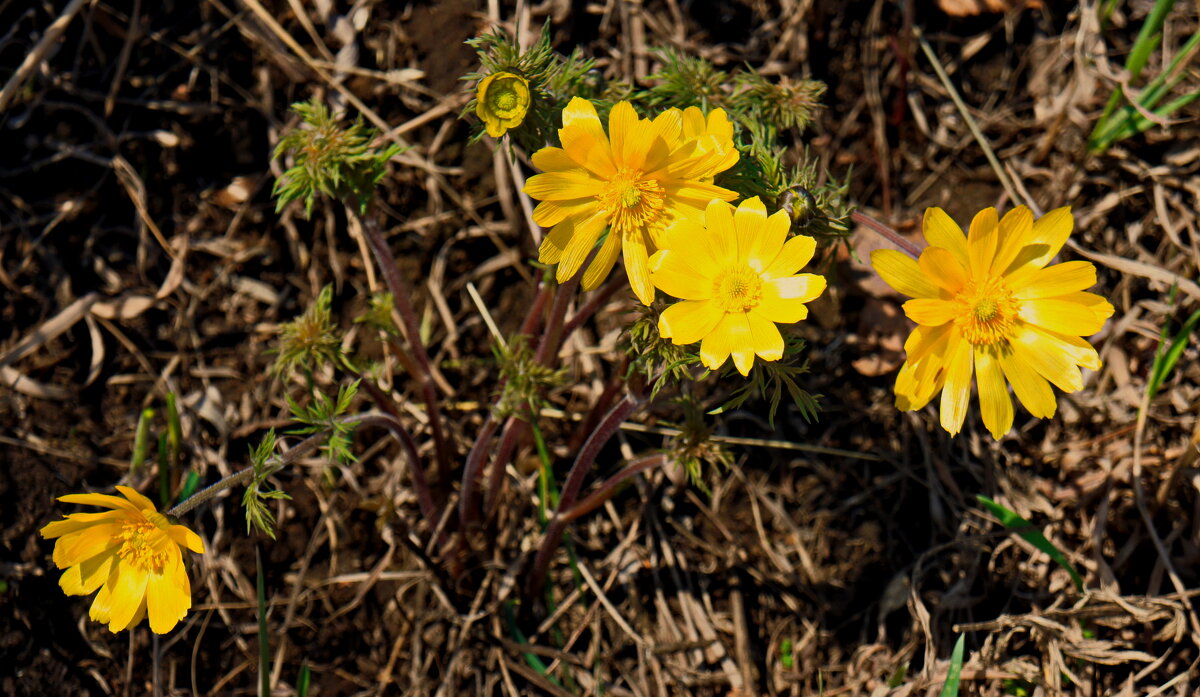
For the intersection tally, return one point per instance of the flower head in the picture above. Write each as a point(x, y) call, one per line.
point(501, 100)
point(640, 179)
point(737, 277)
point(132, 553)
point(987, 304)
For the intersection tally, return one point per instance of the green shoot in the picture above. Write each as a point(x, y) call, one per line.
point(174, 431)
point(1025, 529)
point(1167, 356)
point(254, 500)
point(954, 675)
point(339, 162)
point(164, 471)
point(140, 438)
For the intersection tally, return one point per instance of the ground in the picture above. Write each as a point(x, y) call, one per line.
point(140, 253)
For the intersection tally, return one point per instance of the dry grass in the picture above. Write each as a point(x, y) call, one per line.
point(139, 253)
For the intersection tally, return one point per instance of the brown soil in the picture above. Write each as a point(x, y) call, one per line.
point(868, 568)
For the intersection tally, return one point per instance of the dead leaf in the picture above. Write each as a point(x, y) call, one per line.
point(125, 307)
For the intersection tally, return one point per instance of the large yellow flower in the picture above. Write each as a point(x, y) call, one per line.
point(737, 278)
point(640, 179)
point(987, 304)
point(132, 553)
point(501, 100)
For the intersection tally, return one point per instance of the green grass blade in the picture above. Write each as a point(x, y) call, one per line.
point(954, 675)
point(1025, 529)
point(1164, 361)
point(174, 431)
point(164, 472)
point(304, 680)
point(1146, 41)
point(519, 637)
point(140, 438)
point(264, 646)
point(189, 486)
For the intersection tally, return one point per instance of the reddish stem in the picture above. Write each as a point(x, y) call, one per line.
point(885, 231)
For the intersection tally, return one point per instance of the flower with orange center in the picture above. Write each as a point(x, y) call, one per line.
point(638, 180)
point(131, 553)
point(987, 304)
point(737, 277)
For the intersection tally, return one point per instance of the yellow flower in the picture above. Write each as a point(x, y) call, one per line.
point(737, 278)
point(131, 553)
point(640, 179)
point(501, 100)
point(988, 304)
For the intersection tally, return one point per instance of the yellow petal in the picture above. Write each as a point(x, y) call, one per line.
point(956, 393)
point(929, 375)
point(668, 125)
point(563, 186)
point(1075, 349)
point(89, 542)
point(551, 159)
point(127, 595)
point(104, 500)
point(622, 134)
point(166, 601)
point(1056, 280)
point(184, 537)
point(698, 194)
point(136, 498)
point(1030, 387)
point(994, 403)
point(940, 267)
point(797, 252)
point(583, 138)
point(101, 609)
point(671, 272)
point(741, 341)
point(637, 266)
point(926, 340)
point(981, 241)
point(555, 242)
point(551, 213)
point(941, 231)
point(718, 343)
point(750, 222)
point(77, 521)
point(689, 321)
point(1050, 233)
point(87, 576)
point(765, 337)
point(1062, 316)
point(931, 312)
point(583, 239)
point(720, 235)
point(901, 272)
point(1016, 228)
point(783, 298)
point(769, 242)
point(1098, 305)
point(603, 262)
point(804, 288)
point(1043, 353)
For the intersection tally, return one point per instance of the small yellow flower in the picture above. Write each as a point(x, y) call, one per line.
point(638, 180)
point(737, 277)
point(131, 553)
point(501, 100)
point(987, 304)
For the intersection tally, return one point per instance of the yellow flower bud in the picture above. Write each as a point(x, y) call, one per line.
point(501, 101)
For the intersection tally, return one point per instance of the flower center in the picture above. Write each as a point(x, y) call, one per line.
point(140, 545)
point(632, 201)
point(738, 289)
point(506, 97)
point(987, 311)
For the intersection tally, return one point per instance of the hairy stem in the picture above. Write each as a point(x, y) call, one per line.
point(886, 232)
